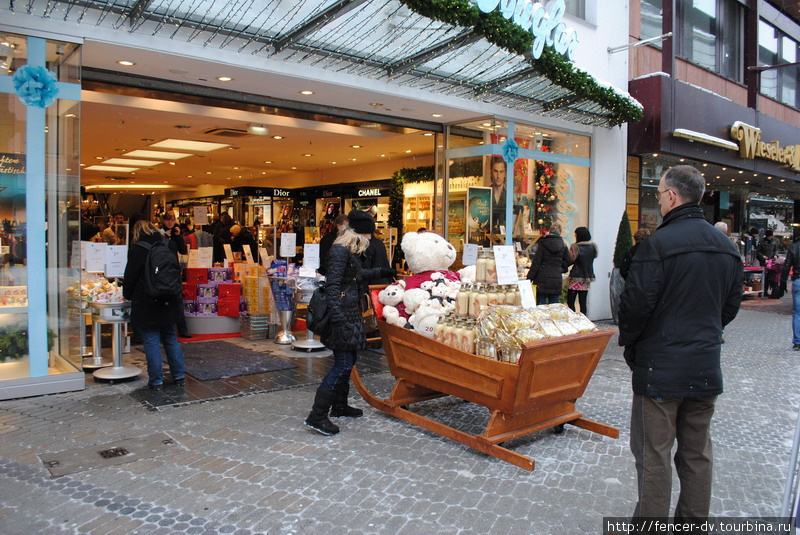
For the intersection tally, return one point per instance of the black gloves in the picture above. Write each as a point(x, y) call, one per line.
point(629, 355)
point(388, 272)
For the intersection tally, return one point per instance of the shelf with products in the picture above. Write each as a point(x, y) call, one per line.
point(417, 212)
point(753, 281)
point(13, 299)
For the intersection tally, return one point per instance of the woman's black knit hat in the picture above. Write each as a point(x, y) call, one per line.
point(361, 221)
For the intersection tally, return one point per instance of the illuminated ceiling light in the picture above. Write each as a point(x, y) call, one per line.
point(126, 62)
point(113, 168)
point(172, 163)
point(436, 115)
point(333, 163)
point(127, 161)
point(99, 157)
point(307, 155)
point(356, 146)
point(352, 159)
point(705, 165)
point(708, 183)
point(306, 92)
point(376, 104)
point(428, 134)
point(383, 156)
point(655, 155)
point(268, 161)
point(129, 186)
point(682, 160)
point(746, 181)
point(208, 172)
point(185, 144)
point(783, 180)
point(733, 180)
point(224, 78)
point(486, 124)
point(740, 172)
point(70, 115)
point(263, 172)
point(755, 174)
point(294, 167)
point(407, 151)
point(769, 178)
point(724, 168)
point(277, 137)
point(257, 129)
point(236, 168)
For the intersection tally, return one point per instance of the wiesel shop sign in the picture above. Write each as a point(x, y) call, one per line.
point(751, 146)
point(546, 26)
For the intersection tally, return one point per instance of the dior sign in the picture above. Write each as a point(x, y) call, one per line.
point(546, 26)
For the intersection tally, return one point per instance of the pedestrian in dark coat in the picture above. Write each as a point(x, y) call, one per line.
point(547, 265)
point(344, 288)
point(153, 319)
point(582, 253)
point(241, 237)
point(375, 257)
point(767, 249)
point(627, 260)
point(327, 240)
point(684, 286)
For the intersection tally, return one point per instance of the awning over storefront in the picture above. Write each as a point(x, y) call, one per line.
point(443, 47)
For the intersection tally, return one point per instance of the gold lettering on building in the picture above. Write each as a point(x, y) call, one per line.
point(751, 146)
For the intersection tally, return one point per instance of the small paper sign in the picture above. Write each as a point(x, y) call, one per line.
point(96, 257)
point(200, 215)
point(116, 260)
point(228, 252)
point(518, 246)
point(288, 244)
point(527, 294)
point(201, 258)
point(248, 254)
point(84, 248)
point(311, 255)
point(308, 273)
point(506, 264)
point(470, 254)
point(262, 256)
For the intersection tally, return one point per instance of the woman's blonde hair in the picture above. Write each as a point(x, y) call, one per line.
point(352, 240)
point(142, 226)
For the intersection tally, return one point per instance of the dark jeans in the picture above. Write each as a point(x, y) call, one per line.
point(655, 425)
point(152, 349)
point(547, 299)
point(339, 374)
point(581, 295)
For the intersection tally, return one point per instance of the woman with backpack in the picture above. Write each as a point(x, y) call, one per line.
point(344, 287)
point(154, 317)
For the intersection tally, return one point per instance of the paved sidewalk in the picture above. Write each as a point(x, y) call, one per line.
point(247, 465)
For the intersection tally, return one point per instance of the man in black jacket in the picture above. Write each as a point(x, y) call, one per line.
point(684, 286)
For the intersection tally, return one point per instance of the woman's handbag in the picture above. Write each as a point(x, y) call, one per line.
point(318, 318)
point(368, 315)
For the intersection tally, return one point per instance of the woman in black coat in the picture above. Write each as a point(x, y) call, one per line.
point(344, 288)
point(548, 263)
point(583, 252)
point(153, 319)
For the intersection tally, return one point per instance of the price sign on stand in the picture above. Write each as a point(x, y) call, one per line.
point(200, 215)
point(288, 244)
point(263, 257)
point(470, 254)
point(96, 257)
point(311, 255)
point(201, 258)
point(84, 249)
point(228, 252)
point(506, 264)
point(116, 259)
point(248, 254)
point(527, 294)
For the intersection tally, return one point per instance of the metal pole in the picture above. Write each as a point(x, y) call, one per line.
point(789, 491)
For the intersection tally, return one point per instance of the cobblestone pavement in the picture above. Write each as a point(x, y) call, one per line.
point(247, 465)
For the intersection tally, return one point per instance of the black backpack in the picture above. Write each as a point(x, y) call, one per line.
point(162, 273)
point(318, 314)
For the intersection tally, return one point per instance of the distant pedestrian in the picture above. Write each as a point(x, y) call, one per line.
point(684, 286)
point(638, 239)
point(345, 285)
point(767, 248)
point(548, 263)
point(791, 266)
point(582, 253)
point(153, 319)
point(327, 240)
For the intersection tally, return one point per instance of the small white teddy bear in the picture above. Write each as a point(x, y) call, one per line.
point(391, 297)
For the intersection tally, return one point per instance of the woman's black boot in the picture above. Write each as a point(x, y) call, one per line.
point(340, 406)
point(318, 419)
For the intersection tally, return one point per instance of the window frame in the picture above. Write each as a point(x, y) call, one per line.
point(781, 73)
point(720, 20)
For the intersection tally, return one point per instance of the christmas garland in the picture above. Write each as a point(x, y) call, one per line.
point(505, 34)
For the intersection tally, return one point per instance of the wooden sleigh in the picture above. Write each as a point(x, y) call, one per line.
point(537, 393)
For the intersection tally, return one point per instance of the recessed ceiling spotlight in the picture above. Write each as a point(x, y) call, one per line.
point(436, 115)
point(383, 156)
point(740, 172)
point(356, 146)
point(755, 174)
point(746, 181)
point(268, 161)
point(333, 163)
point(486, 124)
point(655, 155)
point(769, 178)
point(705, 165)
point(126, 62)
point(352, 159)
point(70, 115)
point(294, 167)
point(428, 134)
point(733, 180)
point(307, 155)
point(682, 160)
point(306, 92)
point(263, 172)
point(783, 180)
point(224, 78)
point(724, 168)
point(277, 137)
point(208, 172)
point(376, 104)
point(407, 151)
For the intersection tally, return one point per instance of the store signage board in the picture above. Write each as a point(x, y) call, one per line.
point(116, 259)
point(201, 258)
point(470, 255)
point(543, 22)
point(12, 163)
point(96, 257)
point(751, 146)
point(311, 255)
point(288, 244)
point(248, 254)
point(200, 214)
point(527, 294)
point(506, 263)
point(228, 252)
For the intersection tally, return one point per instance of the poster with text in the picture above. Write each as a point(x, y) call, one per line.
point(456, 219)
point(479, 215)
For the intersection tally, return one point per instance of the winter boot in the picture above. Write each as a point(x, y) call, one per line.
point(318, 419)
point(340, 406)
